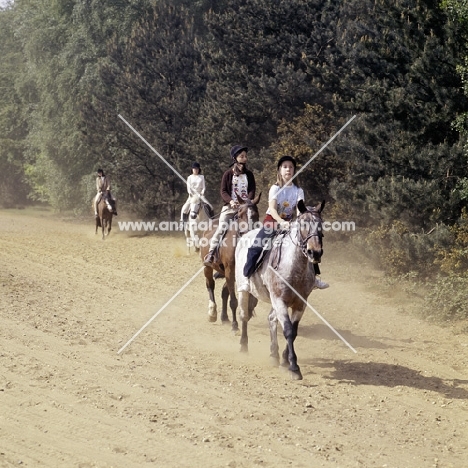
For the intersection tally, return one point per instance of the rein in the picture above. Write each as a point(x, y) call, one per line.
point(302, 242)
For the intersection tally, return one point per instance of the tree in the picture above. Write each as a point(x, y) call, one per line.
point(16, 95)
point(403, 157)
point(155, 80)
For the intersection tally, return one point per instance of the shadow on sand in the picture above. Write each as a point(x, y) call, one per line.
point(389, 375)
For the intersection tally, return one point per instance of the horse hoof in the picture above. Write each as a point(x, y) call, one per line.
point(244, 349)
point(295, 375)
point(274, 361)
point(212, 318)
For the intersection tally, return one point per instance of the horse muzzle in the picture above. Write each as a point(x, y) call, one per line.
point(314, 256)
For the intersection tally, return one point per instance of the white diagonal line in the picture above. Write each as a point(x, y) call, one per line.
point(318, 152)
point(154, 151)
point(316, 313)
point(160, 310)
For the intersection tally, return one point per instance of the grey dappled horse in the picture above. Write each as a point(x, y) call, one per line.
point(290, 261)
point(198, 222)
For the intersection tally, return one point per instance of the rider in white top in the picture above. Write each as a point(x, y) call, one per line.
point(282, 206)
point(286, 199)
point(195, 185)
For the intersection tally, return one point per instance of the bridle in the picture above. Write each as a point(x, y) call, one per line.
point(317, 232)
point(195, 208)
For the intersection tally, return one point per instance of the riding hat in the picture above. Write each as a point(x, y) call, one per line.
point(236, 150)
point(99, 170)
point(286, 158)
point(196, 165)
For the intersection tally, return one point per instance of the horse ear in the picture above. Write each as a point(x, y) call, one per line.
point(301, 206)
point(256, 200)
point(320, 206)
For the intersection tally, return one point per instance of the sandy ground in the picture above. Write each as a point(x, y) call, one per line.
point(181, 394)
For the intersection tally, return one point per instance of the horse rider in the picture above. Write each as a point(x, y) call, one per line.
point(237, 179)
point(283, 198)
point(103, 187)
point(195, 185)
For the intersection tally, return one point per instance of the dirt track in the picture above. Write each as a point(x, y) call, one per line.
point(181, 395)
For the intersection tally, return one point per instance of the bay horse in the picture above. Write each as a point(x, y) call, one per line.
point(224, 263)
point(290, 260)
point(199, 215)
point(104, 218)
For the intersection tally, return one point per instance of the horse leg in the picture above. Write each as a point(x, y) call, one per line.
point(210, 286)
point(290, 327)
point(103, 224)
point(224, 297)
point(192, 234)
point(245, 313)
point(233, 303)
point(187, 241)
point(274, 348)
point(109, 225)
point(196, 240)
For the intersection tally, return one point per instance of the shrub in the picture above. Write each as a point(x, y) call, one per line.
point(448, 298)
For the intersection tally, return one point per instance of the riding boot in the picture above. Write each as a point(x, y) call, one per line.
point(209, 258)
point(319, 284)
point(183, 221)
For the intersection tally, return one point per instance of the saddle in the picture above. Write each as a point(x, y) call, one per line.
point(107, 197)
point(257, 255)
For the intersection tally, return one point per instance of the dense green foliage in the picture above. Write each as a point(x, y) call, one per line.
point(195, 77)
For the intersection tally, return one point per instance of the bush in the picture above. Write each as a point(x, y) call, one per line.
point(398, 251)
point(454, 259)
point(448, 298)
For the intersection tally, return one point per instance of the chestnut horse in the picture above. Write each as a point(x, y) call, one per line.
point(104, 218)
point(224, 263)
point(286, 273)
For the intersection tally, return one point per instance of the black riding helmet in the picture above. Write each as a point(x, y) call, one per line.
point(236, 150)
point(286, 158)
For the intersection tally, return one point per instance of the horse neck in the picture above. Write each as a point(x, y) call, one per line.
point(202, 214)
point(292, 251)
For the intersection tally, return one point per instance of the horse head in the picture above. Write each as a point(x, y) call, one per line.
point(195, 203)
point(309, 232)
point(247, 213)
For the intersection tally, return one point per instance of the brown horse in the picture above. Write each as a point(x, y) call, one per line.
point(104, 218)
point(284, 279)
point(247, 216)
